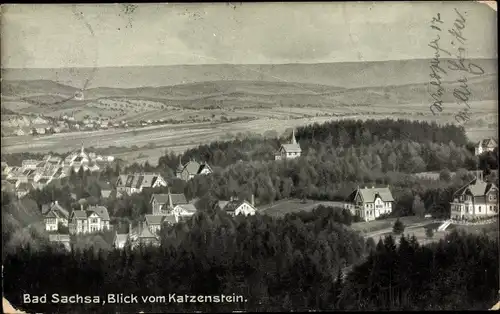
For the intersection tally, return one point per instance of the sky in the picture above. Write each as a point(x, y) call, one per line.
point(110, 35)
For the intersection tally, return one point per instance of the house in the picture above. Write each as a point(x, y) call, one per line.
point(289, 151)
point(94, 219)
point(21, 132)
point(30, 164)
point(236, 207)
point(142, 235)
point(106, 190)
point(486, 145)
point(163, 204)
point(370, 203)
point(41, 130)
point(191, 169)
point(155, 222)
point(63, 239)
point(77, 159)
point(55, 215)
point(135, 183)
point(476, 199)
point(183, 211)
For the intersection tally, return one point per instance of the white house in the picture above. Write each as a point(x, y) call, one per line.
point(54, 216)
point(289, 151)
point(94, 219)
point(486, 145)
point(474, 200)
point(183, 211)
point(236, 207)
point(370, 203)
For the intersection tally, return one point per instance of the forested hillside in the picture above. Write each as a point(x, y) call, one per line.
point(459, 272)
point(275, 264)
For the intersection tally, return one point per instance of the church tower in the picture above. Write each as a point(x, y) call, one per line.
point(180, 167)
point(294, 140)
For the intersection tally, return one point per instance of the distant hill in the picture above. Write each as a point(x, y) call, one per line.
point(246, 93)
point(345, 74)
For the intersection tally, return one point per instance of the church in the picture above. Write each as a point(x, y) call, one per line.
point(289, 151)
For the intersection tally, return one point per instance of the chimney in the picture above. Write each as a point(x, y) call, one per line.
point(129, 228)
point(81, 207)
point(252, 200)
point(56, 202)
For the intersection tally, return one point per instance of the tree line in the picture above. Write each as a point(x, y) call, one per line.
point(276, 264)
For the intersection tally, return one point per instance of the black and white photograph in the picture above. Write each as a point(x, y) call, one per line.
point(249, 157)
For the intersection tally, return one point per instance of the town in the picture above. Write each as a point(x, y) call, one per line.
point(264, 157)
point(477, 200)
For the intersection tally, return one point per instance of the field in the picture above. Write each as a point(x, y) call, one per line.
point(283, 207)
point(179, 137)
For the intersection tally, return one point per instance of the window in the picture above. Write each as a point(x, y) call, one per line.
point(93, 220)
point(479, 208)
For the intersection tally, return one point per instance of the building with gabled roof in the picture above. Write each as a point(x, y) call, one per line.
point(485, 145)
point(163, 204)
point(94, 219)
point(142, 235)
point(290, 150)
point(135, 183)
point(236, 207)
point(184, 211)
point(55, 215)
point(476, 199)
point(191, 169)
point(155, 222)
point(370, 203)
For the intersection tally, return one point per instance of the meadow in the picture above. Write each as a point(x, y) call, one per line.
point(283, 207)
